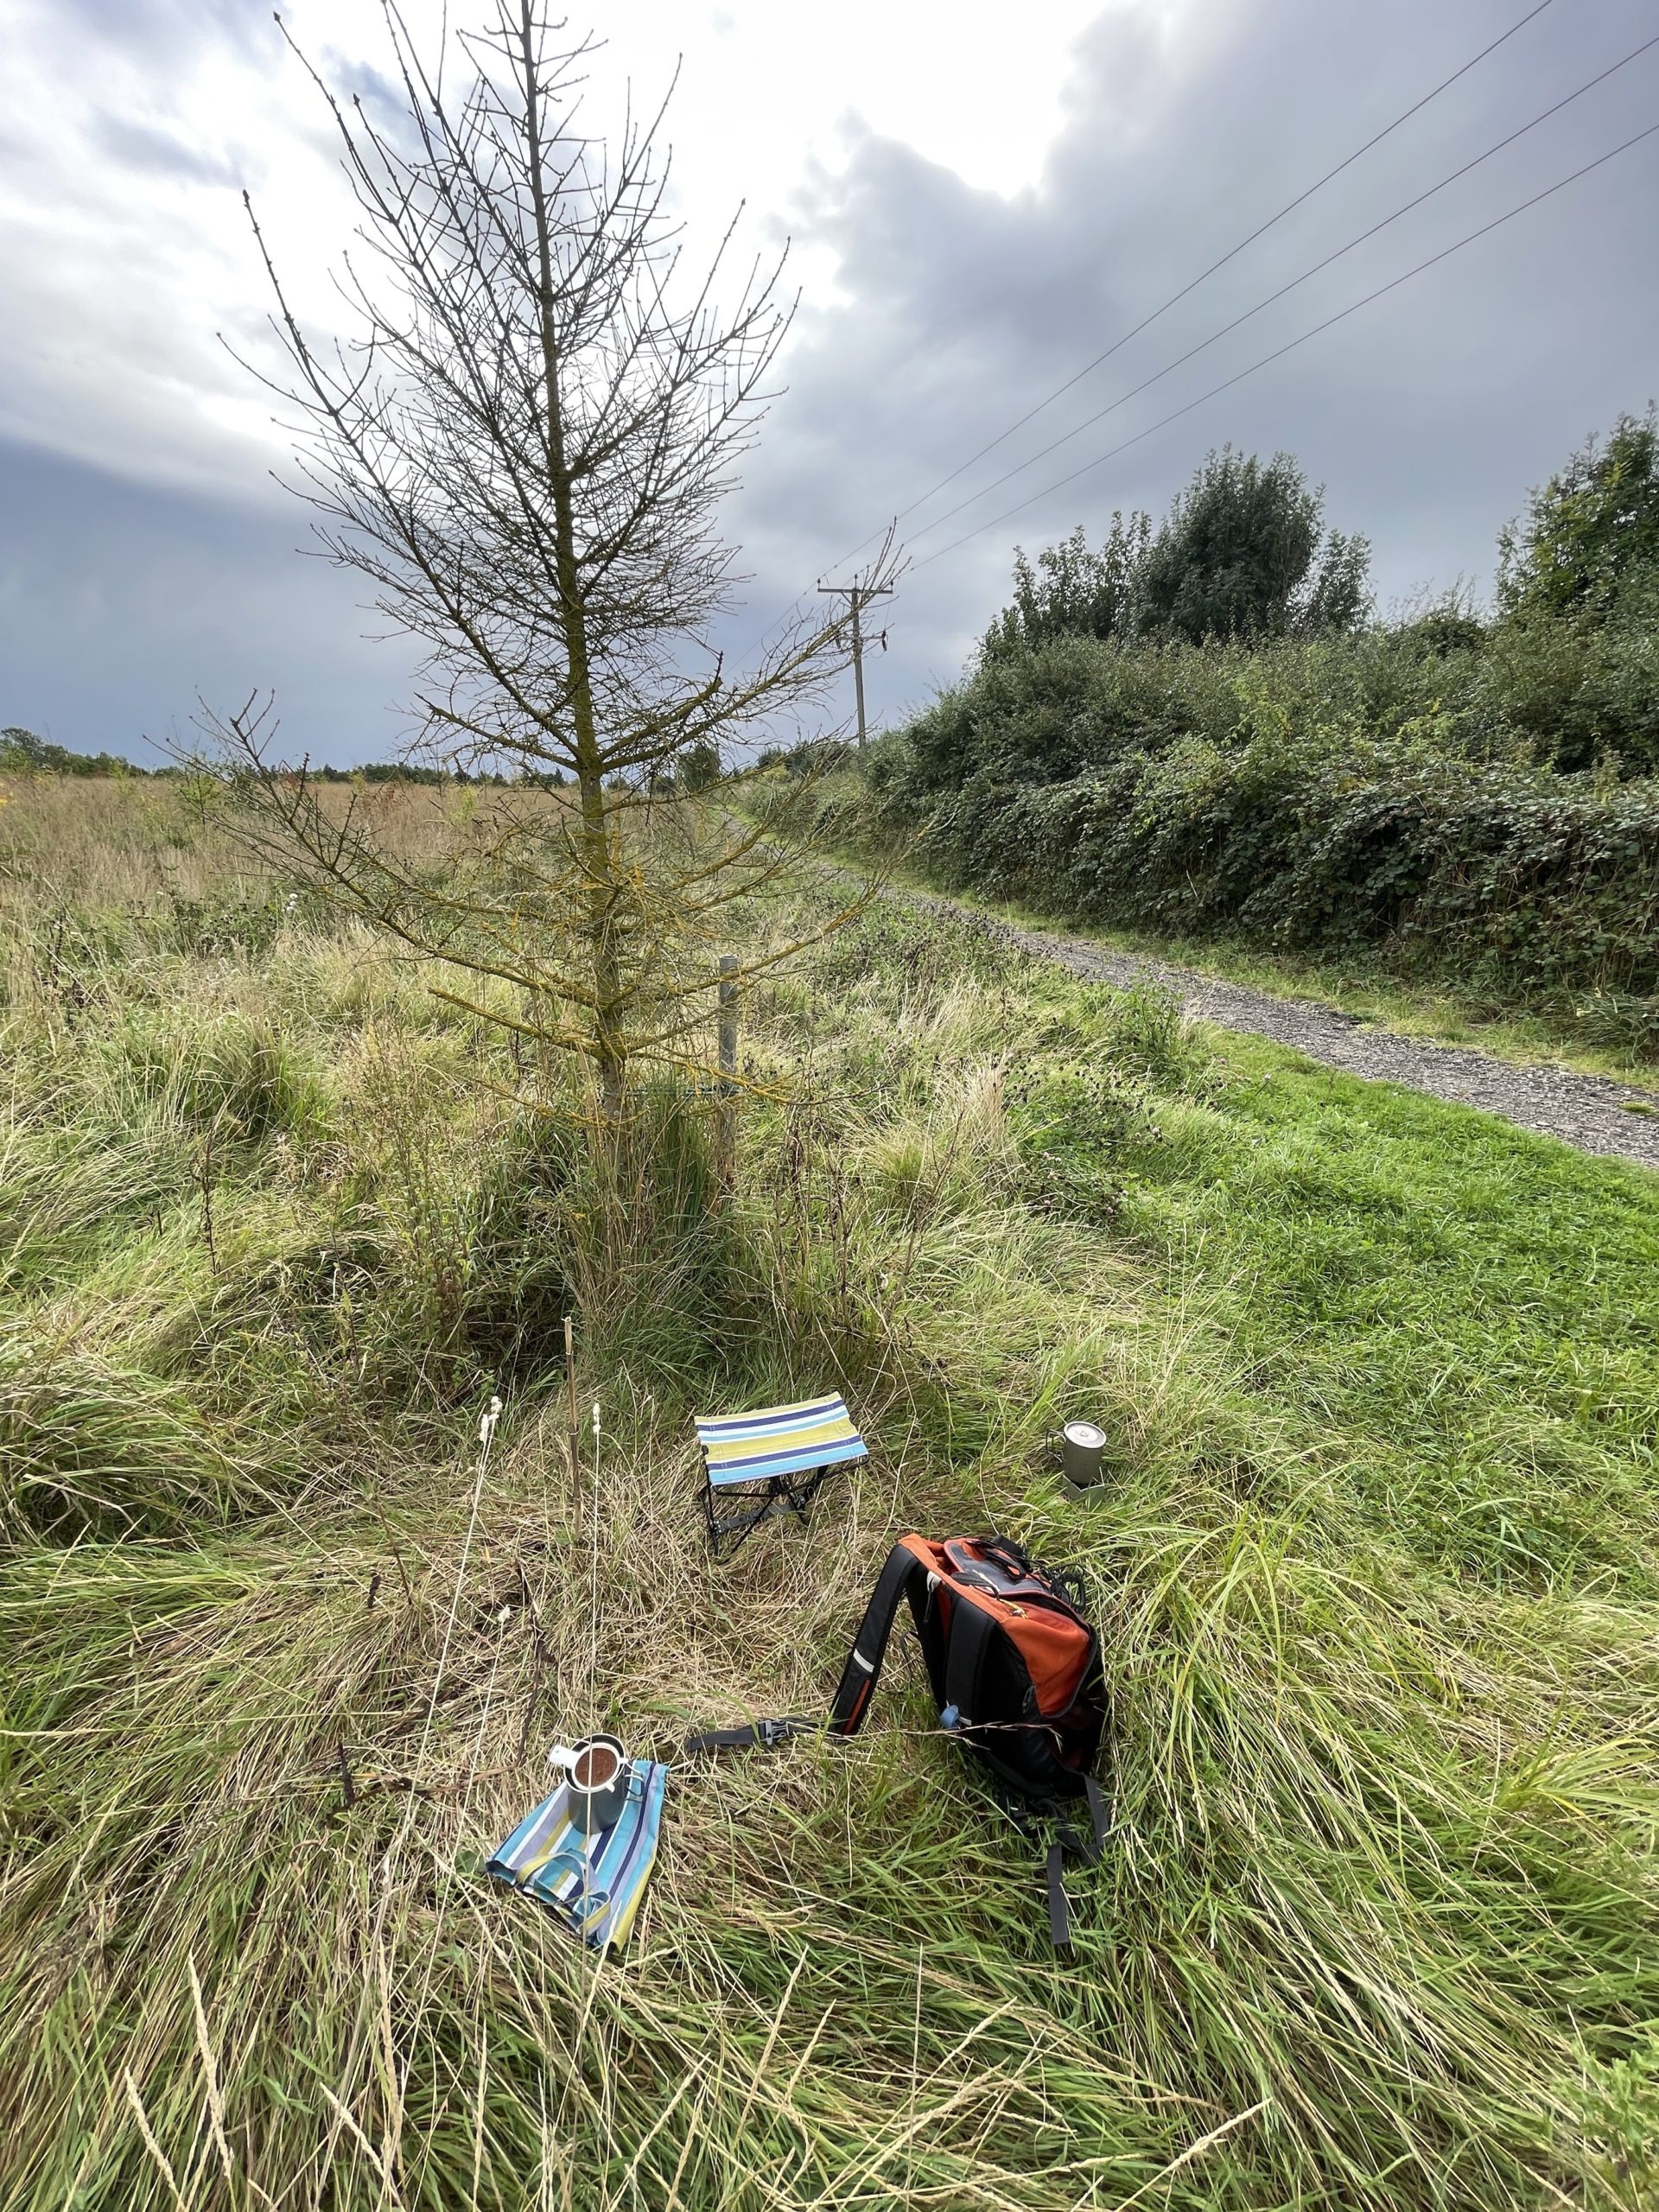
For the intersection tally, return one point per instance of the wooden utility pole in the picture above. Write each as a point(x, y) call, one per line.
point(860, 593)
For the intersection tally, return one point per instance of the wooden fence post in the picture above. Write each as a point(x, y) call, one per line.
point(726, 1122)
point(570, 1388)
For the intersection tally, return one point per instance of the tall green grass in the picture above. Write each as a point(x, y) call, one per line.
point(1374, 1569)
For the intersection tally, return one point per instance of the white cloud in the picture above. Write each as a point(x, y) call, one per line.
point(126, 249)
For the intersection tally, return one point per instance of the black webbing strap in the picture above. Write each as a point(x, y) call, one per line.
point(1064, 1841)
point(1005, 1551)
point(1059, 1907)
point(863, 1669)
point(746, 1738)
point(1097, 1817)
point(1086, 1847)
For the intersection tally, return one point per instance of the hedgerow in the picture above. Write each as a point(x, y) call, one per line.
point(1344, 798)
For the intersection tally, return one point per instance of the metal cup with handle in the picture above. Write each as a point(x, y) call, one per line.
point(599, 1772)
point(1082, 1445)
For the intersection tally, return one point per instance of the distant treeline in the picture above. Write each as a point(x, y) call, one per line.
point(22, 753)
point(398, 771)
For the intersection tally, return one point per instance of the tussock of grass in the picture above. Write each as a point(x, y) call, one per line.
point(1374, 1567)
point(86, 1449)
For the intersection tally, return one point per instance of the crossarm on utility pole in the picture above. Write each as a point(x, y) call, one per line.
point(858, 594)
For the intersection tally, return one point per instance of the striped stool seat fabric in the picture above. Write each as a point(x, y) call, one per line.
point(773, 1460)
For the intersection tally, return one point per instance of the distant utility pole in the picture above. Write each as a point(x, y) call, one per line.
point(860, 593)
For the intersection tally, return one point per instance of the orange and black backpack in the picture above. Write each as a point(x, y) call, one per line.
point(1015, 1671)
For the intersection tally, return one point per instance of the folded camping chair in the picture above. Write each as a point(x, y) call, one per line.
point(770, 1461)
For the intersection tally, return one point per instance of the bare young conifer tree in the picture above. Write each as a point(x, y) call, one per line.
point(523, 449)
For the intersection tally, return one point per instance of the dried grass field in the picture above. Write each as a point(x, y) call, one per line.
point(1376, 1565)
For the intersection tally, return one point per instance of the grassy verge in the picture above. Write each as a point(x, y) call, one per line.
point(1582, 1035)
point(1375, 1567)
point(1441, 1016)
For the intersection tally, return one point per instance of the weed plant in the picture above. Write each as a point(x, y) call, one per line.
point(1377, 1923)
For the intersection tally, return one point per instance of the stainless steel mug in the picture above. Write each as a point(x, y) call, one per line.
point(1081, 1447)
point(600, 1771)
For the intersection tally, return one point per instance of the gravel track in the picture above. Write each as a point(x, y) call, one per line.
point(1591, 1111)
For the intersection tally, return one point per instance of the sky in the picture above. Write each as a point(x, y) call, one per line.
point(977, 201)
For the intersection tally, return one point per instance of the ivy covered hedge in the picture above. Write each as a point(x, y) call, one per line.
point(1204, 731)
point(1521, 883)
point(1278, 816)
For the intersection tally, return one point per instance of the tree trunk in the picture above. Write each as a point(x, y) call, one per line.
point(599, 864)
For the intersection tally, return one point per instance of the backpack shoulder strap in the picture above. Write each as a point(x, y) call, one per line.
point(863, 1669)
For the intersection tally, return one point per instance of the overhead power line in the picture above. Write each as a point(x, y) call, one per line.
point(1204, 343)
point(1203, 275)
point(1279, 353)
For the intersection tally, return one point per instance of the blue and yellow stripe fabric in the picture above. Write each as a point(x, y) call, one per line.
point(778, 1440)
point(592, 1882)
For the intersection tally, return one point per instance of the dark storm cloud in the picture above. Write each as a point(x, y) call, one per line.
point(1426, 416)
point(120, 603)
point(954, 310)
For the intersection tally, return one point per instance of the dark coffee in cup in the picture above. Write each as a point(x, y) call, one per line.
point(596, 1764)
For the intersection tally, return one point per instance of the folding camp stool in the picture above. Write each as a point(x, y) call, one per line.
point(769, 1462)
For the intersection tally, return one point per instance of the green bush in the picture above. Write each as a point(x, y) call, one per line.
point(1482, 811)
point(1551, 692)
point(1520, 882)
point(1589, 544)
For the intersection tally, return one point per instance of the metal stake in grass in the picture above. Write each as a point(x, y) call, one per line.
point(204, 1179)
point(485, 1438)
point(593, 1578)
